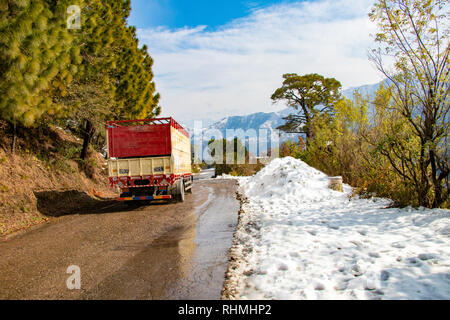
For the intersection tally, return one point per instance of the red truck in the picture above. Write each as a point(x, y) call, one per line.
point(149, 159)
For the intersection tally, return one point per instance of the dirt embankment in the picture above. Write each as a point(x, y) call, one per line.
point(45, 178)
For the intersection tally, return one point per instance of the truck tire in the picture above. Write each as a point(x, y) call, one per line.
point(180, 191)
point(191, 182)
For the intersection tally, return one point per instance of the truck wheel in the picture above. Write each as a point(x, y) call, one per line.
point(191, 182)
point(180, 190)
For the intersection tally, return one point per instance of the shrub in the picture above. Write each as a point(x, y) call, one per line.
point(376, 157)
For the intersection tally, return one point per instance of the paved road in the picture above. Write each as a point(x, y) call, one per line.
point(159, 251)
point(205, 174)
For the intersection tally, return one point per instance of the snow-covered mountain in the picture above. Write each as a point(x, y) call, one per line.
point(260, 120)
point(250, 125)
point(272, 120)
point(368, 89)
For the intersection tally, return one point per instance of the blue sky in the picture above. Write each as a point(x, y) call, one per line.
point(214, 59)
point(185, 13)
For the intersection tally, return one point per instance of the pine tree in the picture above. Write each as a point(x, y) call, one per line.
point(136, 89)
point(309, 95)
point(35, 56)
point(88, 75)
point(114, 80)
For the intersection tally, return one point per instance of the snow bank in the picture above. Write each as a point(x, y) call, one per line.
point(300, 240)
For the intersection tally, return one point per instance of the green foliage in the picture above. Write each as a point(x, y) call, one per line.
point(115, 78)
point(378, 157)
point(50, 73)
point(415, 34)
point(3, 188)
point(43, 156)
point(204, 165)
point(309, 95)
point(235, 163)
point(196, 168)
point(34, 55)
point(70, 152)
point(292, 149)
point(402, 152)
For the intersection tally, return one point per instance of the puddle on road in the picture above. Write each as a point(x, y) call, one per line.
point(212, 238)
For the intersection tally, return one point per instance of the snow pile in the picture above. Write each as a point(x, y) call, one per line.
point(290, 180)
point(298, 239)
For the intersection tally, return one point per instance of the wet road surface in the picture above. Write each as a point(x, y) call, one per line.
point(158, 251)
point(205, 174)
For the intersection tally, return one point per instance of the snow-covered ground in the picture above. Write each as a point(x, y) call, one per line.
point(297, 239)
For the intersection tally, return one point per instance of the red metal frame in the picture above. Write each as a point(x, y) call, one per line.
point(169, 120)
point(156, 180)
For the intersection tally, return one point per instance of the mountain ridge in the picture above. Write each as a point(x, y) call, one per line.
point(272, 120)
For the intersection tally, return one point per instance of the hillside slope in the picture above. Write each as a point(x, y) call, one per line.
point(45, 178)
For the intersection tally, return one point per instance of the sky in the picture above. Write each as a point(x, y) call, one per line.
point(221, 58)
point(182, 13)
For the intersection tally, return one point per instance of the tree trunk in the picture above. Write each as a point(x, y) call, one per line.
point(437, 183)
point(13, 146)
point(309, 134)
point(424, 185)
point(88, 133)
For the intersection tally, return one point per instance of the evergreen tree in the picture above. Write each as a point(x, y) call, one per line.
point(309, 95)
point(114, 80)
point(91, 74)
point(136, 89)
point(35, 56)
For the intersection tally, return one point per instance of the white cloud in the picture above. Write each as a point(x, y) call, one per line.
point(235, 69)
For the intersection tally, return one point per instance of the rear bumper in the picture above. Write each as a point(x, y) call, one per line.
point(152, 181)
point(145, 198)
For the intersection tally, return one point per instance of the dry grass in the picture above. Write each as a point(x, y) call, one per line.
point(45, 160)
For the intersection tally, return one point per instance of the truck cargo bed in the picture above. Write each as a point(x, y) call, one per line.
point(140, 167)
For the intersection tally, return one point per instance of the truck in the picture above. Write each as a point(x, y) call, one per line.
point(149, 159)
